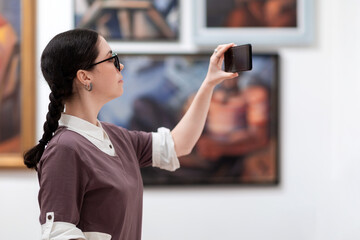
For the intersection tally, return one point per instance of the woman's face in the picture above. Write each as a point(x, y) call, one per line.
point(107, 79)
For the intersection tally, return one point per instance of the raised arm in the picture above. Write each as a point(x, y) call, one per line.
point(187, 132)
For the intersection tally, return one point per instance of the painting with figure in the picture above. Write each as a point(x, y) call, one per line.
point(252, 13)
point(130, 20)
point(10, 88)
point(239, 144)
point(259, 22)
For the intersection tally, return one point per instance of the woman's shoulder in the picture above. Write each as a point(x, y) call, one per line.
point(67, 139)
point(111, 125)
point(112, 128)
point(64, 147)
point(66, 150)
point(123, 133)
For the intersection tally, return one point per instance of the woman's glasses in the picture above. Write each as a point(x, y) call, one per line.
point(116, 61)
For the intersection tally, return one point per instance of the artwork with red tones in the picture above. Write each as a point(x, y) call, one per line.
point(17, 73)
point(239, 144)
point(251, 13)
point(10, 77)
point(261, 23)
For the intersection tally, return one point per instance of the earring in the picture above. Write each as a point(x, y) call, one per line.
point(89, 87)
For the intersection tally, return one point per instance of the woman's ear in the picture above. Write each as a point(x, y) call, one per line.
point(84, 77)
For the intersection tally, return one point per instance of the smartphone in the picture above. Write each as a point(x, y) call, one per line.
point(238, 58)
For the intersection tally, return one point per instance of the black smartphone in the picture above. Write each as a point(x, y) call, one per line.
point(238, 58)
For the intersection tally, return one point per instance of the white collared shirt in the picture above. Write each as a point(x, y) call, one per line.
point(94, 133)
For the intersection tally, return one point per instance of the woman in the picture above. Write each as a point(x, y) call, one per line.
point(90, 182)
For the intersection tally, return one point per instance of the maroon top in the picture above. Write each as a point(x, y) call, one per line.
point(97, 192)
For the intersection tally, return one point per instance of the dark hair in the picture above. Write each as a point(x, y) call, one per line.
point(64, 55)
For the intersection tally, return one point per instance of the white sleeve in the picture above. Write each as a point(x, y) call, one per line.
point(164, 155)
point(59, 230)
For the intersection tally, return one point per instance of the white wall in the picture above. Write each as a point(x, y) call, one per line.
point(319, 194)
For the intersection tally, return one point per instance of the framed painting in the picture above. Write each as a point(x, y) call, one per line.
point(132, 25)
point(239, 144)
point(17, 80)
point(259, 22)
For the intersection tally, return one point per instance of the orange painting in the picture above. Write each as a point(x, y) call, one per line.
point(17, 80)
point(9, 88)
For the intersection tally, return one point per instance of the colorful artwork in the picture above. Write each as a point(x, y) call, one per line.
point(17, 74)
point(10, 87)
point(239, 144)
point(130, 20)
point(251, 13)
point(259, 22)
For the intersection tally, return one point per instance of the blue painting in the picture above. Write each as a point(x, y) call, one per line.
point(131, 20)
point(239, 144)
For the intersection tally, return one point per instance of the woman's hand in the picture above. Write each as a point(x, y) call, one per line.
point(215, 74)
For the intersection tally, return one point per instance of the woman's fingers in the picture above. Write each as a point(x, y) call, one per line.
point(220, 62)
point(223, 48)
point(230, 75)
point(218, 54)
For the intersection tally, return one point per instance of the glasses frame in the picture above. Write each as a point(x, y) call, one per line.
point(116, 62)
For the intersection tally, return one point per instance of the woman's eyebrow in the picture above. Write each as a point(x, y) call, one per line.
point(109, 53)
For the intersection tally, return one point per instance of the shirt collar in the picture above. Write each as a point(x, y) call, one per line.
point(82, 126)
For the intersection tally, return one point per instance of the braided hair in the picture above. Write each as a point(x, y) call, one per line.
point(64, 55)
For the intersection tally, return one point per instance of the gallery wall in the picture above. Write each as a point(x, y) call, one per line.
point(318, 194)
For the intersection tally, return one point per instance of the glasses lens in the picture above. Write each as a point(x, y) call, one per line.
point(117, 62)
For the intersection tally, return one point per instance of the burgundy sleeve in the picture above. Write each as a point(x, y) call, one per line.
point(142, 142)
point(62, 180)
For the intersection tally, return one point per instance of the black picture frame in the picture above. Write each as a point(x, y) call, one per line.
point(243, 123)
